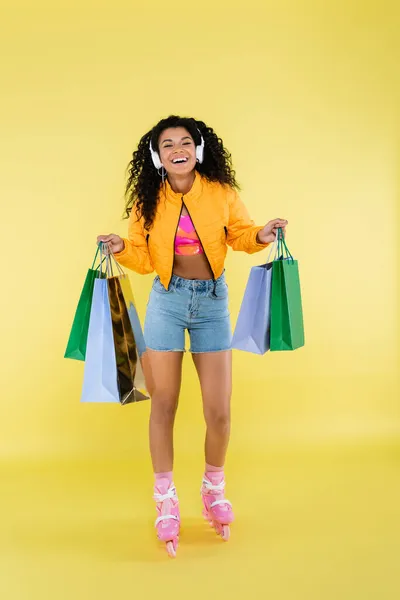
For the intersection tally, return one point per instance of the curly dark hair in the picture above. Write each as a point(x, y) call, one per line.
point(144, 183)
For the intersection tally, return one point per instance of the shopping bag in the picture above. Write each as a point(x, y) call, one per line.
point(143, 379)
point(252, 328)
point(76, 346)
point(287, 327)
point(111, 356)
point(100, 382)
point(124, 344)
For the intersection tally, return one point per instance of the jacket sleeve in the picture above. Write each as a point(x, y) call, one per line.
point(242, 233)
point(135, 254)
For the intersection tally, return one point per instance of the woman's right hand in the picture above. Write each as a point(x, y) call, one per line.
point(111, 242)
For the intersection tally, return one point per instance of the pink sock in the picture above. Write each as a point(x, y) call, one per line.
point(162, 478)
point(211, 469)
point(214, 474)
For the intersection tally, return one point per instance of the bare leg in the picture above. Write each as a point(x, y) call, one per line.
point(166, 369)
point(215, 373)
point(148, 376)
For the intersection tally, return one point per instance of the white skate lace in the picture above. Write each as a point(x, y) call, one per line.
point(159, 498)
point(215, 488)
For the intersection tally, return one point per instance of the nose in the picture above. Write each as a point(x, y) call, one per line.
point(178, 152)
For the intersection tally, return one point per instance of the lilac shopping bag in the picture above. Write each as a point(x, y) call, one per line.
point(100, 382)
point(252, 328)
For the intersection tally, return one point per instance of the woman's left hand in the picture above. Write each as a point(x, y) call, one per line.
point(269, 233)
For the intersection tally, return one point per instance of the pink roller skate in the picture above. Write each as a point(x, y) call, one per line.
point(217, 510)
point(168, 520)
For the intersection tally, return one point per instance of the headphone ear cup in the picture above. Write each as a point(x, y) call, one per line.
point(155, 157)
point(200, 151)
point(156, 161)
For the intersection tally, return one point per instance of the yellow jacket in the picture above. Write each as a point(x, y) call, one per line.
point(218, 215)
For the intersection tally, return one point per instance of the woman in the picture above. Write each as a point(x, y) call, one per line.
point(186, 211)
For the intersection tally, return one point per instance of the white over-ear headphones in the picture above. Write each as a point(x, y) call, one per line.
point(199, 153)
point(200, 149)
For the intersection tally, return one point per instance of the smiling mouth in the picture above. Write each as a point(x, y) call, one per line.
point(178, 161)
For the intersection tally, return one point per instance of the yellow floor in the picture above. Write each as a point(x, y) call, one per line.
point(317, 522)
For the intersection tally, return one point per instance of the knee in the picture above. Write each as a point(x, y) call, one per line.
point(163, 409)
point(218, 419)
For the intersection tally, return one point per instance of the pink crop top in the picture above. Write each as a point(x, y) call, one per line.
point(187, 242)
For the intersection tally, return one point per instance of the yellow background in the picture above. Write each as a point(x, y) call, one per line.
point(305, 96)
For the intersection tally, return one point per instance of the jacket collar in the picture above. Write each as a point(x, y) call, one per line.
point(193, 194)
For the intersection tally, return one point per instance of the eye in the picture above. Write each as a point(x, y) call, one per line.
point(187, 143)
point(167, 146)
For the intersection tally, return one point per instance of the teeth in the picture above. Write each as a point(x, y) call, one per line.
point(179, 160)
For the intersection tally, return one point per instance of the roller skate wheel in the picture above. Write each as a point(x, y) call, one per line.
point(218, 527)
point(225, 533)
point(171, 549)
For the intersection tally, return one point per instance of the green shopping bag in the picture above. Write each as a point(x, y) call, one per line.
point(287, 328)
point(76, 347)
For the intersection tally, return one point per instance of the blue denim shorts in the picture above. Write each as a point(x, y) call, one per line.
point(200, 307)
